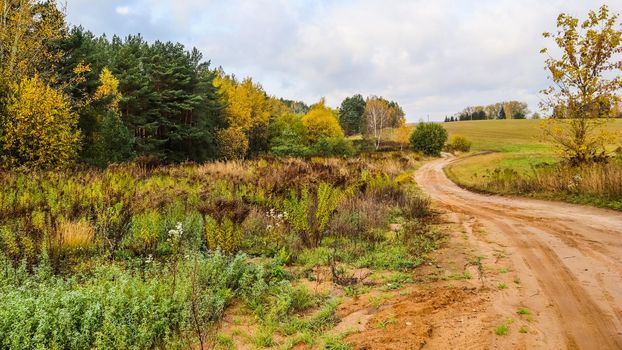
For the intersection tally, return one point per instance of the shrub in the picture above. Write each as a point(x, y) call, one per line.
point(459, 143)
point(225, 235)
point(39, 128)
point(309, 213)
point(332, 146)
point(428, 138)
point(232, 143)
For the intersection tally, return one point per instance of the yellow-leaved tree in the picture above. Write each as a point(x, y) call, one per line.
point(585, 85)
point(232, 143)
point(108, 90)
point(322, 122)
point(28, 31)
point(40, 130)
point(402, 134)
point(248, 111)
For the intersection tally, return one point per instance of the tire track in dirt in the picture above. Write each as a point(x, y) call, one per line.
point(569, 255)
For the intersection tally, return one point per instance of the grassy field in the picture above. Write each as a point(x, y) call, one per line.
point(510, 157)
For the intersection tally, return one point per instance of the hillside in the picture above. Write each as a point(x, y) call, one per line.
point(507, 135)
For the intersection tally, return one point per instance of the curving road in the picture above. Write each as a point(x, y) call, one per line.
point(569, 258)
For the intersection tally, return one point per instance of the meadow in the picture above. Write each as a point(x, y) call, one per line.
point(139, 257)
point(511, 157)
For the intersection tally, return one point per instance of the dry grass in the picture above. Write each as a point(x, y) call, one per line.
point(75, 235)
point(595, 184)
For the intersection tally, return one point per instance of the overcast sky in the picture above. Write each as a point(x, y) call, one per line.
point(434, 57)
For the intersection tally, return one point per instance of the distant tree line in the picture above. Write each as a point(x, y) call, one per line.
point(68, 96)
point(500, 110)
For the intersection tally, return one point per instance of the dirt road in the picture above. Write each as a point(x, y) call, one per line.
point(568, 257)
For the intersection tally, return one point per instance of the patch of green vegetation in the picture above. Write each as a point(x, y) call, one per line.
point(264, 338)
point(224, 342)
point(523, 311)
point(504, 328)
point(502, 286)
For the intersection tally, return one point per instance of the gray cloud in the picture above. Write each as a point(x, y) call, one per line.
point(433, 57)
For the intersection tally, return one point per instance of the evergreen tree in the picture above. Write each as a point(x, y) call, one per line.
point(351, 114)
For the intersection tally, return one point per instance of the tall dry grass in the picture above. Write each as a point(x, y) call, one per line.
point(603, 180)
point(75, 235)
point(600, 183)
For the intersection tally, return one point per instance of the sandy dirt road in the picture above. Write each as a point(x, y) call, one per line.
point(568, 257)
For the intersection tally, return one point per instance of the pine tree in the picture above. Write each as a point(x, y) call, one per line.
point(351, 114)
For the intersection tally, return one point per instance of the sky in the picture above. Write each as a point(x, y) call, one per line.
point(434, 57)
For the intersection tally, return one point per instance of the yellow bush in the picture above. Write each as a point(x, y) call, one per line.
point(40, 130)
point(321, 122)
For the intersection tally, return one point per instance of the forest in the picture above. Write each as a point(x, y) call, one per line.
point(69, 97)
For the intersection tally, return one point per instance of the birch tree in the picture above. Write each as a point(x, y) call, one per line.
point(376, 116)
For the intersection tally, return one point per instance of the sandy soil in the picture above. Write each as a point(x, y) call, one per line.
point(566, 258)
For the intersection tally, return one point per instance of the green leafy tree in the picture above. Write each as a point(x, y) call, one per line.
point(115, 141)
point(289, 136)
point(583, 84)
point(428, 138)
point(351, 114)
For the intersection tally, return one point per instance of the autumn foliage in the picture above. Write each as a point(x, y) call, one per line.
point(39, 127)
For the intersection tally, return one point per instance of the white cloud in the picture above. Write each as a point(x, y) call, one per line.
point(433, 57)
point(122, 10)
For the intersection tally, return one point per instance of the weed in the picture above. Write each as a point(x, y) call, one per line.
point(377, 301)
point(264, 338)
point(224, 342)
point(523, 311)
point(382, 324)
point(502, 330)
point(502, 286)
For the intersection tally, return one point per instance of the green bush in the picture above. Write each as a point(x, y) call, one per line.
point(459, 143)
point(428, 138)
point(333, 146)
point(115, 308)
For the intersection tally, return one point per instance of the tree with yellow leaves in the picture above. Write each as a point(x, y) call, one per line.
point(322, 122)
point(40, 130)
point(402, 134)
point(28, 30)
point(108, 90)
point(585, 84)
point(248, 109)
point(232, 143)
point(377, 115)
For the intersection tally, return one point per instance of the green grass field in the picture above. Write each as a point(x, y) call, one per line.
point(516, 145)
